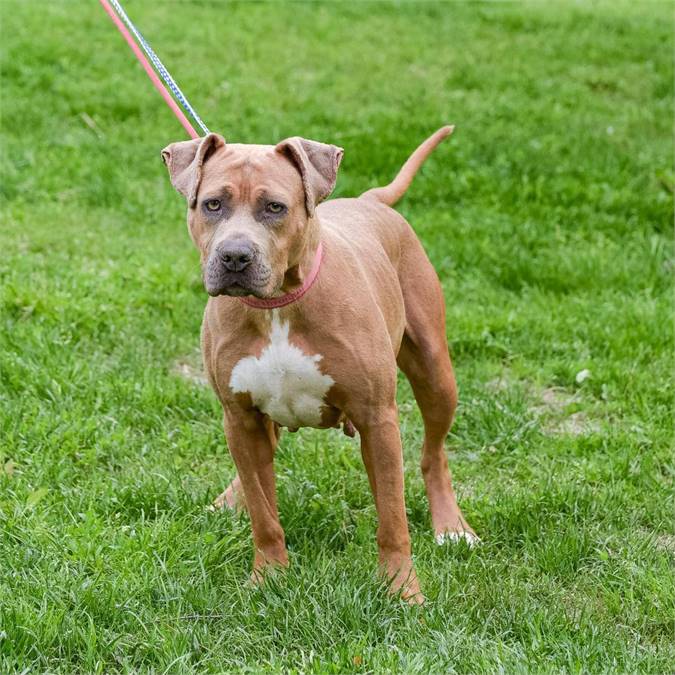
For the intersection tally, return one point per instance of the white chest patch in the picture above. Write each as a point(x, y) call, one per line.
point(284, 382)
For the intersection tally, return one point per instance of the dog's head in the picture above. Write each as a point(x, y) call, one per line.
point(250, 207)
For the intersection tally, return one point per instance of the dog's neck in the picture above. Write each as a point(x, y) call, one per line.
point(300, 275)
point(301, 265)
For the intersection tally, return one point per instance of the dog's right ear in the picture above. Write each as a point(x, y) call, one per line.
point(185, 160)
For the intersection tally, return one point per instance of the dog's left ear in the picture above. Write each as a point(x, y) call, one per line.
point(318, 165)
point(185, 160)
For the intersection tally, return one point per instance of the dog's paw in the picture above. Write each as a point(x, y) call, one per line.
point(232, 498)
point(466, 536)
point(228, 500)
point(218, 504)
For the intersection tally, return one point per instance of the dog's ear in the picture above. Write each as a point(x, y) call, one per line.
point(185, 160)
point(318, 165)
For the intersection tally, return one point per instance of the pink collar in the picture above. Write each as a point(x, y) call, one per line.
point(282, 301)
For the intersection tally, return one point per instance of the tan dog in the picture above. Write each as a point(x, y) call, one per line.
point(355, 296)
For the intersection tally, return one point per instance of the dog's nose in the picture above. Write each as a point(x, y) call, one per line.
point(236, 256)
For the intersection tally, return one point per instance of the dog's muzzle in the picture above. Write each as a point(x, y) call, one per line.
point(235, 268)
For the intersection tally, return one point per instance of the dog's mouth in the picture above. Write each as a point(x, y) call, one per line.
point(252, 281)
point(235, 290)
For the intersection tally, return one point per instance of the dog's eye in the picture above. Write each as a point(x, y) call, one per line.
point(212, 204)
point(274, 207)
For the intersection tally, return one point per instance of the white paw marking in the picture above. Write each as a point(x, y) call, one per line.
point(284, 382)
point(218, 504)
point(455, 537)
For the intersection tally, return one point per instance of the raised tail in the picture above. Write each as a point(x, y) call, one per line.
point(390, 194)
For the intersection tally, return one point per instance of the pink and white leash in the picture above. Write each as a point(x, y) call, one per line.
point(119, 18)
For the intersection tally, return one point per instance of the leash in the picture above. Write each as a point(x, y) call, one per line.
point(119, 17)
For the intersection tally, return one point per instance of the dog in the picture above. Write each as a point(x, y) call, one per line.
point(313, 305)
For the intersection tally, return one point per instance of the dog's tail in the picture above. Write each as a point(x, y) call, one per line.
point(390, 194)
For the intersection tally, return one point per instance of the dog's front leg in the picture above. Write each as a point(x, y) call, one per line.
point(233, 496)
point(383, 458)
point(253, 452)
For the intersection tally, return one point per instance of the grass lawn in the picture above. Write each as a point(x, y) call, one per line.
point(549, 217)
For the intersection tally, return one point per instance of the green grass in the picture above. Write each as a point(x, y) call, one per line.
point(549, 217)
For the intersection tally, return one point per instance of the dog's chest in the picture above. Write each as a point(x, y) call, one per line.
point(284, 382)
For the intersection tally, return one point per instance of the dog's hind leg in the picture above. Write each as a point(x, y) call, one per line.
point(425, 360)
